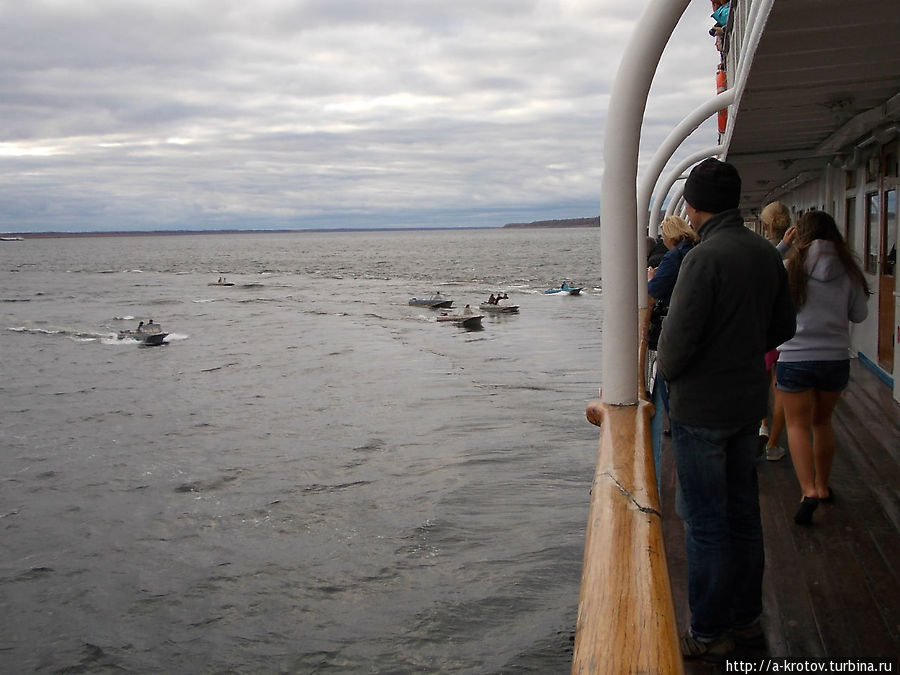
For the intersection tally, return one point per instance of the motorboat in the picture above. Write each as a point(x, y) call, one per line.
point(221, 282)
point(150, 334)
point(497, 304)
point(436, 301)
point(498, 308)
point(565, 288)
point(467, 319)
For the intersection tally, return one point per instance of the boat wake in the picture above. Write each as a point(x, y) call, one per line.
point(72, 334)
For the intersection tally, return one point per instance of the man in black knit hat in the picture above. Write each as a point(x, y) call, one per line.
point(731, 304)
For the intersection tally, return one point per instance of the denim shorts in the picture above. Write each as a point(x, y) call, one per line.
point(794, 377)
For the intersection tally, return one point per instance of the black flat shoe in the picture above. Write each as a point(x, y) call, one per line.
point(804, 513)
point(830, 498)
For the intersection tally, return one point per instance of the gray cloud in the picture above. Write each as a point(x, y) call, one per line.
point(131, 114)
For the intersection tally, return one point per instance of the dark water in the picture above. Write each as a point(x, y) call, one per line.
point(311, 476)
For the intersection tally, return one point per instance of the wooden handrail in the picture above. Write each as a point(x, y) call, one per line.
point(626, 616)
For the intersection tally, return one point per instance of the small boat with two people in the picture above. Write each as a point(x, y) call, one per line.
point(436, 301)
point(221, 282)
point(150, 334)
point(496, 304)
point(564, 289)
point(466, 319)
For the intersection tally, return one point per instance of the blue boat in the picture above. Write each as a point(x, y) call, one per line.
point(565, 288)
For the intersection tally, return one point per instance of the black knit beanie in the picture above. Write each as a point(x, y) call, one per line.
point(713, 186)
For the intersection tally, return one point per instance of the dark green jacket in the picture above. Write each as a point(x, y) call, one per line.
point(731, 304)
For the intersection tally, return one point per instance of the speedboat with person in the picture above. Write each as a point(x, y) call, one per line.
point(150, 334)
point(436, 301)
point(497, 304)
point(565, 289)
point(466, 319)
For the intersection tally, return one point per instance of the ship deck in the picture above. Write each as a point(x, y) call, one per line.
point(832, 589)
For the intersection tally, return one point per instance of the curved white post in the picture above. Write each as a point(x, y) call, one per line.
point(675, 138)
point(662, 189)
point(676, 202)
point(618, 212)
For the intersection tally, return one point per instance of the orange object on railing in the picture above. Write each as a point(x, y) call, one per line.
point(721, 86)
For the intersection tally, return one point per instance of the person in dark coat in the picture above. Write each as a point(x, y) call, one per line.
point(731, 304)
point(657, 250)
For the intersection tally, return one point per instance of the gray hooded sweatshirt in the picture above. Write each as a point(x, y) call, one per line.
point(832, 301)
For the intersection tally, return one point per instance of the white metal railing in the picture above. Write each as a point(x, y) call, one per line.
point(618, 212)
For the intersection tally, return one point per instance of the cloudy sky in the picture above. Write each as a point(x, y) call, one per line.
point(210, 114)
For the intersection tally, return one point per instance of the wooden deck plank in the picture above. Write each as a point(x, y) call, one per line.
point(832, 589)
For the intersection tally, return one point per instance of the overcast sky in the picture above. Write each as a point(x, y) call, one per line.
point(209, 114)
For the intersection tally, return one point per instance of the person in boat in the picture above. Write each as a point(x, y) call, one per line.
point(678, 238)
point(830, 291)
point(140, 327)
point(492, 300)
point(468, 311)
point(731, 304)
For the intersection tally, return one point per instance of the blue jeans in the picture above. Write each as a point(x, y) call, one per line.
point(719, 502)
point(660, 400)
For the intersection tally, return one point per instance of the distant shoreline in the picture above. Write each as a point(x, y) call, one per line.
point(560, 223)
point(168, 233)
point(563, 222)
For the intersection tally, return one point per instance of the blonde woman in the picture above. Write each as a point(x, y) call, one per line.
point(679, 238)
point(776, 219)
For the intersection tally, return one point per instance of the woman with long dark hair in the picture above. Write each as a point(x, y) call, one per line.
point(829, 290)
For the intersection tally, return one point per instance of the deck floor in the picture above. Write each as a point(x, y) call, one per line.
point(831, 589)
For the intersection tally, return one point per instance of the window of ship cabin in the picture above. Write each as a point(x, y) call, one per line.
point(850, 221)
point(889, 159)
point(872, 169)
point(873, 222)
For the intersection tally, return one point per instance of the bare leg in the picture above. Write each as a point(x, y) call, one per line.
point(777, 427)
point(823, 438)
point(772, 390)
point(798, 417)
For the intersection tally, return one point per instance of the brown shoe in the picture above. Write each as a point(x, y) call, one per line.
point(707, 650)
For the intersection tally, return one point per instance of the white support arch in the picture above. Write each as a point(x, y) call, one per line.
point(676, 202)
point(618, 213)
point(662, 189)
point(672, 142)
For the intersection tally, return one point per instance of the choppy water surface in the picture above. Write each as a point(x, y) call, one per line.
point(311, 475)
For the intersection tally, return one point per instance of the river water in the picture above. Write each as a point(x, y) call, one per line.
point(310, 476)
